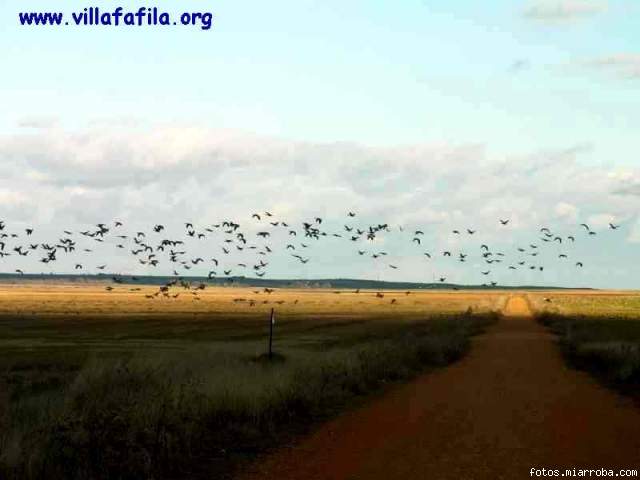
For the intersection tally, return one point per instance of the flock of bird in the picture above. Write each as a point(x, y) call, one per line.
point(257, 241)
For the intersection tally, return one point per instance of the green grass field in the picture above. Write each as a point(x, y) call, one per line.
point(599, 332)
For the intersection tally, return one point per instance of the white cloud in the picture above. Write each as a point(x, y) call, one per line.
point(559, 11)
point(171, 175)
point(622, 65)
point(38, 122)
point(599, 221)
point(634, 232)
point(567, 212)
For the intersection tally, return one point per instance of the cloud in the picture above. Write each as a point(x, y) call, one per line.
point(622, 65)
point(600, 220)
point(562, 11)
point(178, 166)
point(170, 175)
point(629, 182)
point(38, 122)
point(634, 232)
point(567, 211)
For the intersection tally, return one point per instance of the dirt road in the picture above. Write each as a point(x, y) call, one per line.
point(509, 406)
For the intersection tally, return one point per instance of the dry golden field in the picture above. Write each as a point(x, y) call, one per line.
point(52, 299)
point(588, 303)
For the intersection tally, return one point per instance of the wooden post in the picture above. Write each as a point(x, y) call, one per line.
point(272, 320)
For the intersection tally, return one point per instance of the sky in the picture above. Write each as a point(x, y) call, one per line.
point(423, 114)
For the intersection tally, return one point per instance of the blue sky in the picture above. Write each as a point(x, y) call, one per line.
point(502, 81)
point(372, 72)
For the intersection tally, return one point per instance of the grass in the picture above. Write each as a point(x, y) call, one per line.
point(186, 394)
point(598, 333)
point(597, 304)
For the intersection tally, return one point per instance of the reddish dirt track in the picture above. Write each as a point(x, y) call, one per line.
point(510, 405)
